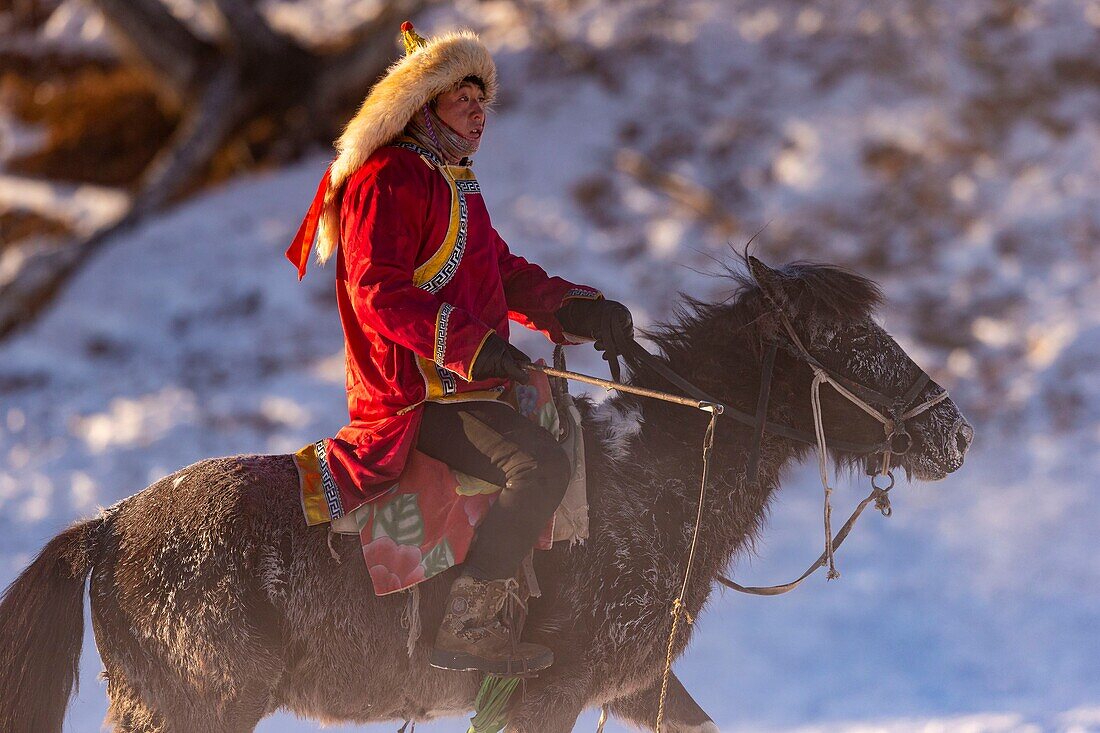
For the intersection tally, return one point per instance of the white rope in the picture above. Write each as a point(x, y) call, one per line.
point(822, 377)
point(927, 404)
point(678, 604)
point(819, 432)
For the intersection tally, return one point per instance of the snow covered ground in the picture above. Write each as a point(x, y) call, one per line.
point(949, 149)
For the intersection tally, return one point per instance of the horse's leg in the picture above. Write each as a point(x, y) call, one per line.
point(189, 638)
point(682, 713)
point(126, 712)
point(129, 712)
point(551, 703)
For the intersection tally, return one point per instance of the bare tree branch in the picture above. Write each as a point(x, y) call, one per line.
point(31, 47)
point(249, 31)
point(222, 107)
point(158, 39)
point(35, 285)
point(44, 273)
point(540, 25)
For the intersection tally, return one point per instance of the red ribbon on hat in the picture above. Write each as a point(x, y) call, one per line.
point(298, 252)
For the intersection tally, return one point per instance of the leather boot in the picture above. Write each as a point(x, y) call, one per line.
point(472, 637)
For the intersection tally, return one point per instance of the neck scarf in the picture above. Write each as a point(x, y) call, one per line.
point(429, 130)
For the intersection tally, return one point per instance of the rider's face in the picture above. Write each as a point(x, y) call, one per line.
point(463, 108)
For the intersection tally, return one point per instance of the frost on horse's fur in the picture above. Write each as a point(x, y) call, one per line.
point(617, 423)
point(214, 604)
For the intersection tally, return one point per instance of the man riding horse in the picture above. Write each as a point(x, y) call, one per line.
point(425, 289)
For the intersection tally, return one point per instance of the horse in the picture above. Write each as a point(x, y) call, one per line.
point(214, 605)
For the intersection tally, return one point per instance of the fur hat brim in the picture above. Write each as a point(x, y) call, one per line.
point(406, 86)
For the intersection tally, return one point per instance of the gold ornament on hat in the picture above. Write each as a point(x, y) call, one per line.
point(413, 40)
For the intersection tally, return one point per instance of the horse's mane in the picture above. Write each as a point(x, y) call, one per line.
point(810, 289)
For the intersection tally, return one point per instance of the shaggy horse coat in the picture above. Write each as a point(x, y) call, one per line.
point(214, 605)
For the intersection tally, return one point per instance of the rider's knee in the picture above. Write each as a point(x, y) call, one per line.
point(545, 472)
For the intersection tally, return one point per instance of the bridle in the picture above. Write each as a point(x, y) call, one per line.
point(891, 412)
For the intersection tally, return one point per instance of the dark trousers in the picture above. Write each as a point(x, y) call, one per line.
point(493, 442)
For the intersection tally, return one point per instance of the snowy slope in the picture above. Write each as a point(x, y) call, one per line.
point(949, 149)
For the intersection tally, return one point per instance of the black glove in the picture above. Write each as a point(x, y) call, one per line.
point(498, 358)
point(606, 321)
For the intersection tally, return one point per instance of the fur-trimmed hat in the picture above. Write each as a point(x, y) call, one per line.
point(430, 68)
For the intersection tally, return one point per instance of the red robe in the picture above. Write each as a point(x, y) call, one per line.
point(423, 278)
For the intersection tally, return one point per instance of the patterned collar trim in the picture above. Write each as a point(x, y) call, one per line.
point(409, 144)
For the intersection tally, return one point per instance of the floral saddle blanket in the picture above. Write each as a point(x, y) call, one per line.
point(426, 523)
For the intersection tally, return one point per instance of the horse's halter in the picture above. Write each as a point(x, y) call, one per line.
point(891, 412)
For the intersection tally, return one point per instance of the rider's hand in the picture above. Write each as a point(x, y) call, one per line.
point(498, 358)
point(606, 321)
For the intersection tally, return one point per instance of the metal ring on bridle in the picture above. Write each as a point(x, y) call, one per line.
point(889, 475)
point(900, 442)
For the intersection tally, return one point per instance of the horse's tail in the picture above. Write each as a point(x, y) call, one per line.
point(42, 630)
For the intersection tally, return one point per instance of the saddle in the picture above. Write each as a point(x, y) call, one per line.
point(426, 523)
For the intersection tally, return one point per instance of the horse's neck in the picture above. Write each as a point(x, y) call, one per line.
point(733, 503)
point(671, 441)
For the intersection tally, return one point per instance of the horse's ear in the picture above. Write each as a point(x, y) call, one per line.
point(769, 281)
